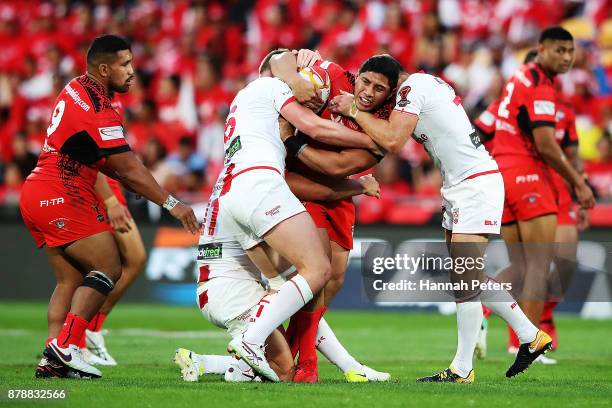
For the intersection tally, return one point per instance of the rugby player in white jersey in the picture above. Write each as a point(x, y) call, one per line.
point(252, 202)
point(473, 200)
point(230, 289)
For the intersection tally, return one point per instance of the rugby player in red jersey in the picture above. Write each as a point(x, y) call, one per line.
point(373, 87)
point(133, 257)
point(569, 220)
point(60, 207)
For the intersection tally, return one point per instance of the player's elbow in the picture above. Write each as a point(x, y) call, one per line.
point(394, 146)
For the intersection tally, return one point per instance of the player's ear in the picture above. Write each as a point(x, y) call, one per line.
point(104, 70)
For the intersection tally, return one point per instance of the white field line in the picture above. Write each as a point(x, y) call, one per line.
point(192, 334)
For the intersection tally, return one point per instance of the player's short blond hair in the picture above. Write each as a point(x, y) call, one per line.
point(265, 63)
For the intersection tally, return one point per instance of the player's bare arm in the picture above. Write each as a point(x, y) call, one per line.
point(323, 189)
point(118, 215)
point(550, 151)
point(323, 130)
point(285, 67)
point(391, 134)
point(133, 174)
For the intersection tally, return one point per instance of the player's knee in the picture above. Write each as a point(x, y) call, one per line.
point(100, 282)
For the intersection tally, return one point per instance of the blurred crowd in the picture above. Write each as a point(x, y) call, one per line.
point(193, 56)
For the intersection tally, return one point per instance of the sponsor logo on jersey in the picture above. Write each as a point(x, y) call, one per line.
point(234, 146)
point(403, 95)
point(475, 139)
point(273, 211)
point(543, 107)
point(210, 251)
point(77, 99)
point(527, 178)
point(111, 132)
point(422, 138)
point(51, 202)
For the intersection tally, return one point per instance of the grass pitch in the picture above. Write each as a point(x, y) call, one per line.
point(143, 338)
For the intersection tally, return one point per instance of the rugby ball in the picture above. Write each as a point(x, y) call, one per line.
point(319, 77)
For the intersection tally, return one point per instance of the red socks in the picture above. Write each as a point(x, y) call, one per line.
point(96, 322)
point(486, 312)
point(73, 330)
point(302, 333)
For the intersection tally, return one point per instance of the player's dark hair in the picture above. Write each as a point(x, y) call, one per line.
point(555, 33)
point(383, 64)
point(265, 63)
point(530, 56)
point(105, 47)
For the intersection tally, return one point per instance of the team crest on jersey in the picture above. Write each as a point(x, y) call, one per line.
point(455, 215)
point(210, 251)
point(403, 94)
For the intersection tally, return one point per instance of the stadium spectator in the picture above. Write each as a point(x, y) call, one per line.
point(194, 56)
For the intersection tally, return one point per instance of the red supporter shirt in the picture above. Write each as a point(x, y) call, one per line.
point(84, 131)
point(528, 102)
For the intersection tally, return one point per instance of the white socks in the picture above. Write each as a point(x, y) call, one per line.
point(503, 304)
point(276, 308)
point(330, 347)
point(469, 319)
point(215, 364)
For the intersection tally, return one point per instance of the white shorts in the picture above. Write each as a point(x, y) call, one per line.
point(230, 302)
point(474, 206)
point(257, 201)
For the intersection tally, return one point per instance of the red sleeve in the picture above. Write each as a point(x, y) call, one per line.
point(339, 78)
point(571, 126)
point(541, 105)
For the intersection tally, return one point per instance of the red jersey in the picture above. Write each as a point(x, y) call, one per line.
point(84, 130)
point(528, 102)
point(565, 129)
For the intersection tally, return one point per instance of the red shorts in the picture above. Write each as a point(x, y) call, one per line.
point(337, 217)
point(55, 218)
point(568, 214)
point(117, 190)
point(529, 193)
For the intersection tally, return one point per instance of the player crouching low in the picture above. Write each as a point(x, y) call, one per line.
point(231, 292)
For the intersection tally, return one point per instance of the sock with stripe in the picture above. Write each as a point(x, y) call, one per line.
point(72, 331)
point(276, 308)
point(96, 322)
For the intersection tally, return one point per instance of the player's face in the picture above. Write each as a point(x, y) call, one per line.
point(556, 55)
point(121, 72)
point(371, 90)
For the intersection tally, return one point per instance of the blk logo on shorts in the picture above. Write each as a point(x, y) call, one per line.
point(274, 211)
point(491, 223)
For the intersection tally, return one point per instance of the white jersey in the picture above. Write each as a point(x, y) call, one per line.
point(443, 128)
point(252, 137)
point(224, 257)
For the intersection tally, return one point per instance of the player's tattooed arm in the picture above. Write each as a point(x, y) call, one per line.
point(324, 130)
point(391, 134)
point(285, 67)
point(134, 175)
point(118, 215)
point(549, 149)
point(325, 189)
